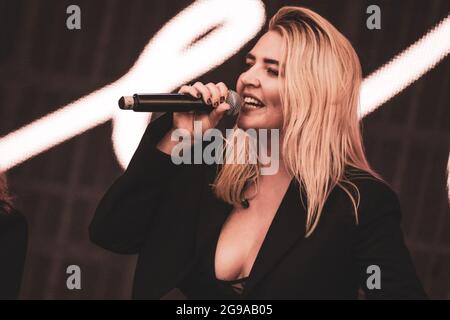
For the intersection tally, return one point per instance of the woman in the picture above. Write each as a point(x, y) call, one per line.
point(314, 229)
point(13, 245)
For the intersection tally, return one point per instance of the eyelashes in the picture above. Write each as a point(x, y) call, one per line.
point(270, 71)
point(247, 66)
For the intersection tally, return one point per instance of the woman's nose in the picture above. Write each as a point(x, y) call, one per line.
point(250, 79)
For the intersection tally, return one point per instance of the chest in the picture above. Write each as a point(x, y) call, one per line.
point(243, 234)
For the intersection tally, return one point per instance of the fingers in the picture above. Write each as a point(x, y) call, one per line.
point(204, 91)
point(216, 92)
point(218, 113)
point(223, 91)
point(212, 94)
point(190, 90)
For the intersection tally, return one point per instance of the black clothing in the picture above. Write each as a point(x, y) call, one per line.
point(169, 215)
point(13, 247)
point(203, 284)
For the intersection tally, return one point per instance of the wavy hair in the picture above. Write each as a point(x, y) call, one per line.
point(321, 134)
point(6, 200)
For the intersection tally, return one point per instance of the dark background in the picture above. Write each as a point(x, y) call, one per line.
point(44, 65)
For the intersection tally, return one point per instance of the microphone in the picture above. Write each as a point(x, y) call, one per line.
point(175, 102)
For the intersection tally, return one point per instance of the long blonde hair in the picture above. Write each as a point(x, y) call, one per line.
point(321, 129)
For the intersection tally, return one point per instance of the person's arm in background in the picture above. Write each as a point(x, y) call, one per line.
point(380, 243)
point(13, 248)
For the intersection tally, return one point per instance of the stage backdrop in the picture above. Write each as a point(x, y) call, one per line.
point(45, 66)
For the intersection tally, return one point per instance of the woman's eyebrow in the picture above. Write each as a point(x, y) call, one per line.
point(265, 60)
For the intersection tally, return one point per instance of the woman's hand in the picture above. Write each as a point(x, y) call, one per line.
point(212, 94)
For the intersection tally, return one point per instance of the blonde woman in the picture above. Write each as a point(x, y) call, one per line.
point(322, 226)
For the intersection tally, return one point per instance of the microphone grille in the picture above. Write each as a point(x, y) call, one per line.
point(235, 102)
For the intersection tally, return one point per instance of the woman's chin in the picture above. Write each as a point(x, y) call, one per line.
point(250, 120)
point(245, 123)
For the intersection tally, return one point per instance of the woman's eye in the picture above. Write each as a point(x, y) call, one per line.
point(272, 71)
point(248, 65)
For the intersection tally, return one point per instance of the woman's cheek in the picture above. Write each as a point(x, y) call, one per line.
point(277, 121)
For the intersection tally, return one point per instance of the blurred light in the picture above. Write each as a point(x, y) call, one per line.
point(166, 62)
point(405, 68)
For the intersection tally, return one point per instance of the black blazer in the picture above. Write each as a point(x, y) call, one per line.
point(13, 247)
point(168, 215)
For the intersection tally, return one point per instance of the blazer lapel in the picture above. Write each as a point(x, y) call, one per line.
point(288, 225)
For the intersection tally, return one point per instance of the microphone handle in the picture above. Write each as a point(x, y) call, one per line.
point(168, 102)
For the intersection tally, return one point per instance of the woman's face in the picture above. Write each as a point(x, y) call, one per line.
point(260, 81)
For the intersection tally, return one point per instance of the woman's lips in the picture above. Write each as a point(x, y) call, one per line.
point(248, 109)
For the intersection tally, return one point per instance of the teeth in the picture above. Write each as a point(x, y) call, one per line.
point(250, 100)
point(251, 106)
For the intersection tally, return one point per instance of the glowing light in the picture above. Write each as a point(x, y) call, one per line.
point(405, 68)
point(166, 62)
point(172, 64)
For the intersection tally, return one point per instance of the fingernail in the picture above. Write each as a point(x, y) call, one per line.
point(208, 101)
point(222, 99)
point(216, 104)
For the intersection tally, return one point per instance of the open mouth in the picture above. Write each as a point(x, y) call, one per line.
point(251, 102)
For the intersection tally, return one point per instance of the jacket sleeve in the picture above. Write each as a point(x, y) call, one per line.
point(125, 212)
point(13, 248)
point(381, 251)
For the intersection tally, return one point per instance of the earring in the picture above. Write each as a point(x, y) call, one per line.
point(244, 203)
